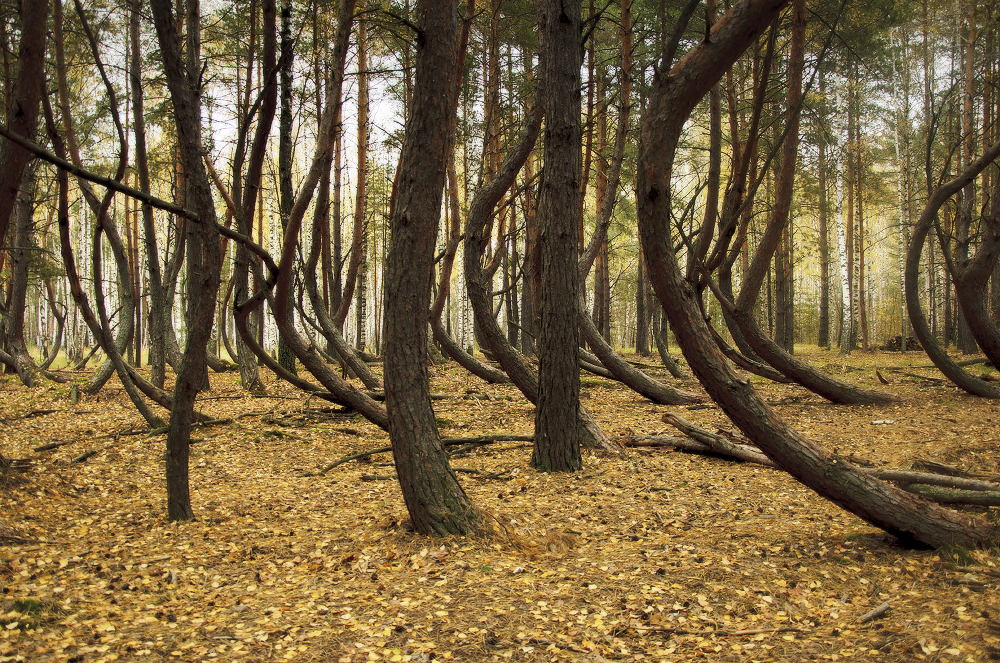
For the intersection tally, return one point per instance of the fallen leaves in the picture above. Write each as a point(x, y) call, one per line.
point(663, 557)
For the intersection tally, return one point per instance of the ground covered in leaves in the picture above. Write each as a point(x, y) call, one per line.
point(663, 556)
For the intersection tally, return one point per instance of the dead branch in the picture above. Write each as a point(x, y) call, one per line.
point(718, 443)
point(874, 614)
point(447, 442)
point(721, 631)
point(905, 476)
point(953, 495)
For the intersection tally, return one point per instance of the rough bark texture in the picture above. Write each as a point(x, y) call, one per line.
point(557, 433)
point(203, 259)
point(22, 118)
point(921, 329)
point(435, 500)
point(20, 261)
point(477, 232)
point(672, 98)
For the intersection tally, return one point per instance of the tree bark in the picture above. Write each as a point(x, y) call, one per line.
point(557, 434)
point(286, 194)
point(674, 95)
point(22, 116)
point(203, 255)
point(921, 329)
point(435, 500)
point(358, 237)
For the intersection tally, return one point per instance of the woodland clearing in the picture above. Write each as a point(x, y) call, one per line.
point(663, 556)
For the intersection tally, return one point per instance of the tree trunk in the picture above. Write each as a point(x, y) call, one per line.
point(921, 330)
point(286, 194)
point(834, 390)
point(823, 335)
point(22, 117)
point(251, 188)
point(673, 97)
point(20, 261)
point(477, 232)
point(557, 434)
point(435, 500)
point(358, 238)
point(203, 255)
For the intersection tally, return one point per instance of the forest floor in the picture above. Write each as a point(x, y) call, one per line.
point(663, 556)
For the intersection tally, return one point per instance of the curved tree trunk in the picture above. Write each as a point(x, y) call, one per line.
point(328, 326)
point(834, 390)
point(155, 325)
point(203, 247)
point(921, 329)
point(307, 354)
point(628, 374)
point(435, 500)
point(476, 233)
point(20, 261)
point(60, 326)
point(673, 97)
point(972, 282)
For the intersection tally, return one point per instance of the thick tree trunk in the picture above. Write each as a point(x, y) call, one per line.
point(477, 232)
point(22, 117)
point(557, 434)
point(20, 261)
point(435, 500)
point(671, 101)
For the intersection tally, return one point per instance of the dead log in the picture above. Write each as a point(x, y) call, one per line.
point(953, 495)
point(718, 443)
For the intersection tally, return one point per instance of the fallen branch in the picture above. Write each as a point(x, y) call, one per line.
point(953, 495)
point(447, 442)
point(874, 614)
point(721, 631)
point(717, 443)
point(906, 476)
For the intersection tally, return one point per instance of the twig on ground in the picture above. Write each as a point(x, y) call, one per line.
point(874, 614)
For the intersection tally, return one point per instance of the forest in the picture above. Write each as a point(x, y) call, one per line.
point(576, 330)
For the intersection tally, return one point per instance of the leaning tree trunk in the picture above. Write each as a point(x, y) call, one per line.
point(972, 282)
point(452, 348)
point(921, 329)
point(435, 500)
point(156, 325)
point(837, 391)
point(477, 232)
point(306, 352)
point(24, 364)
point(672, 99)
